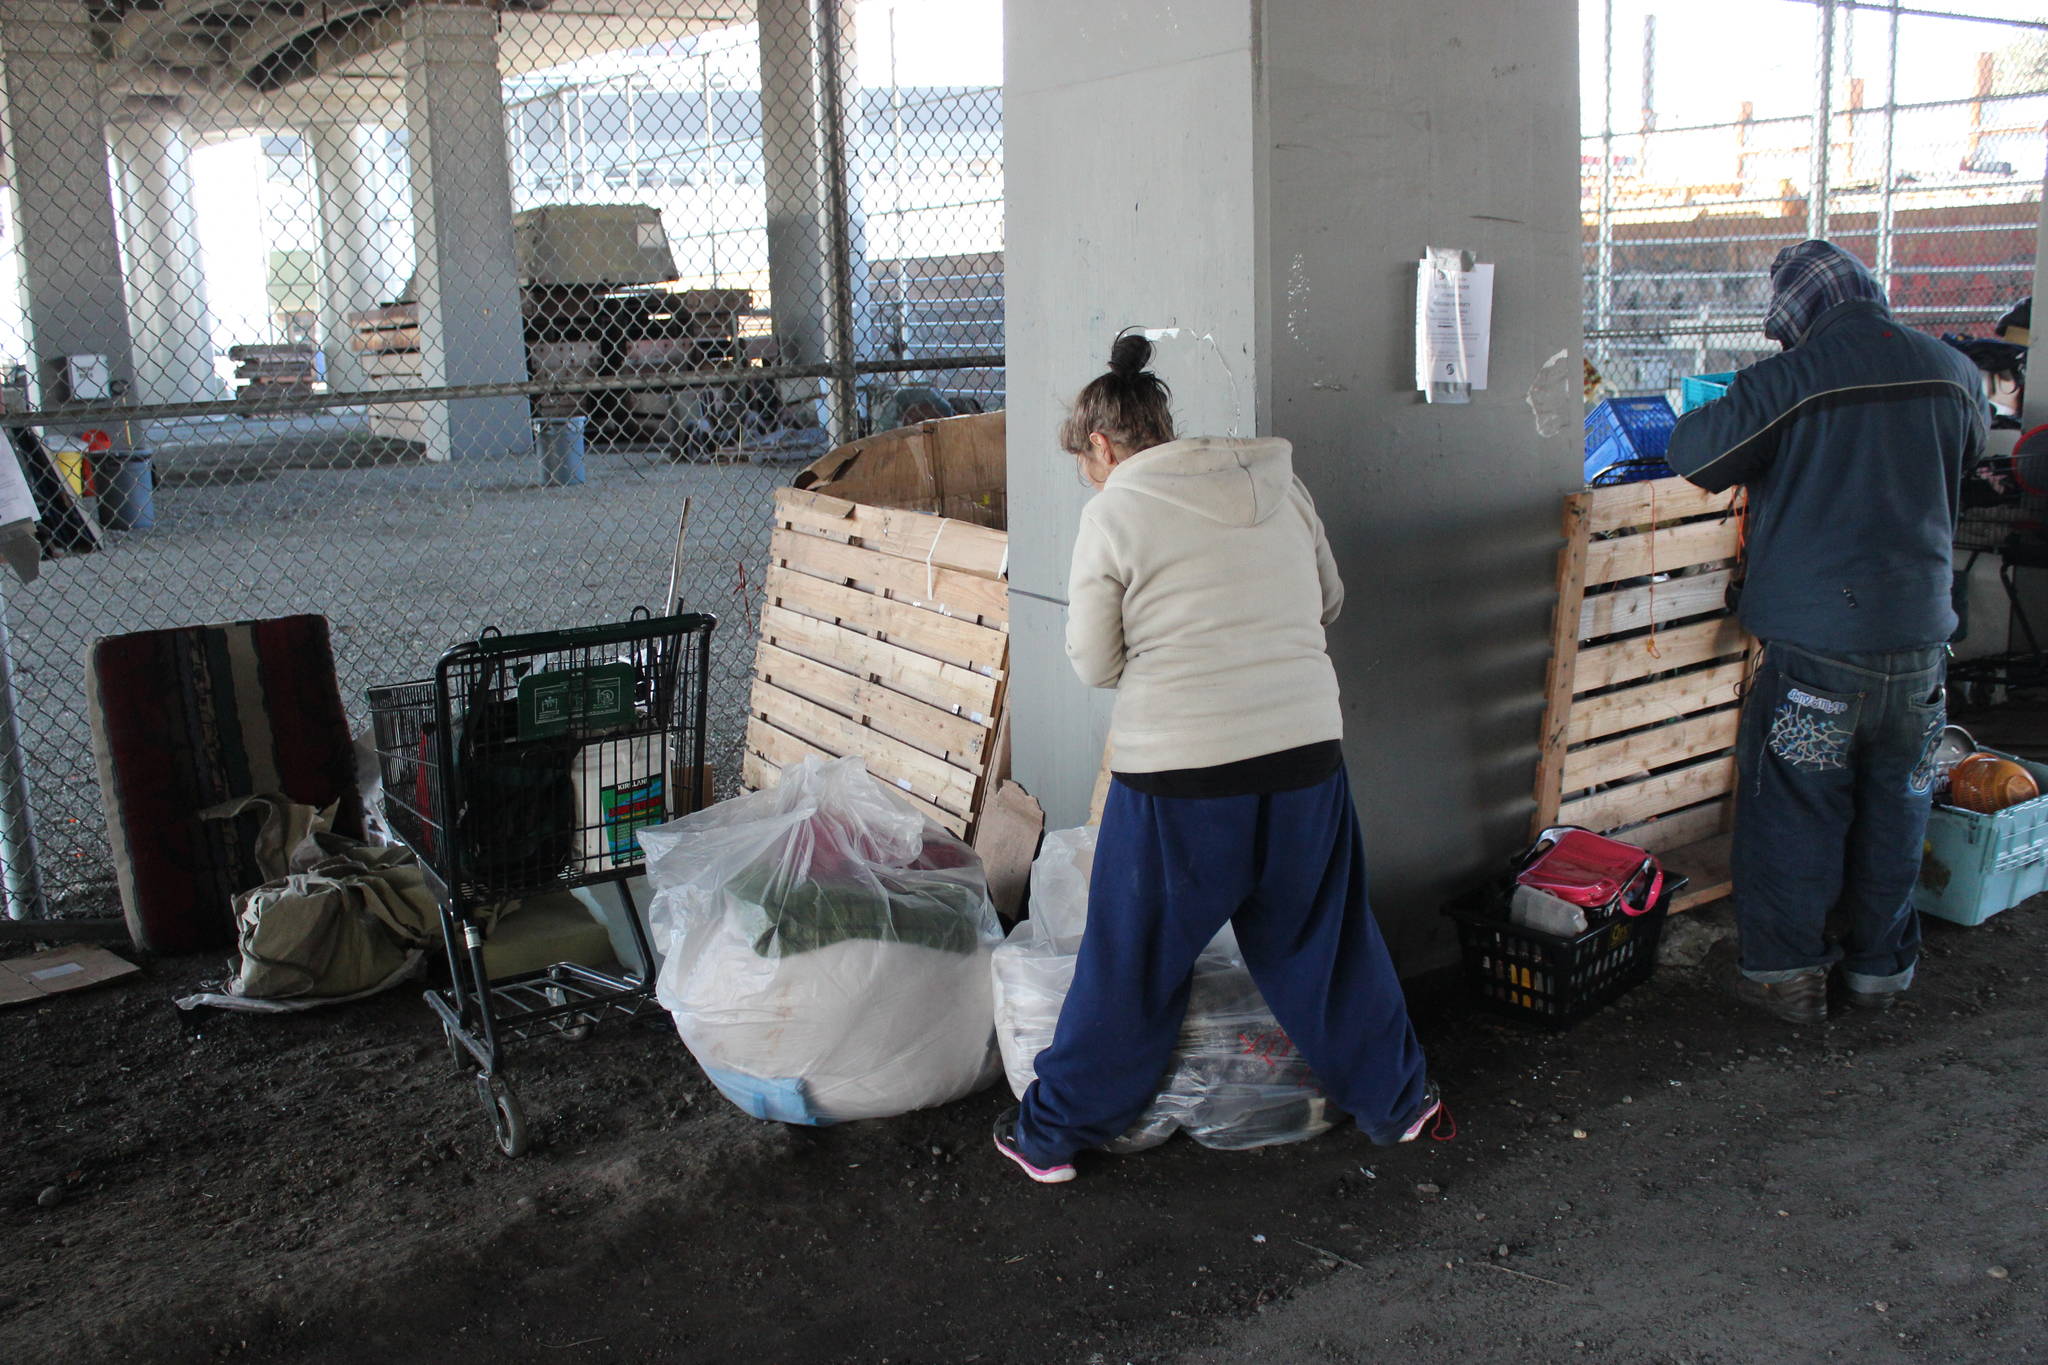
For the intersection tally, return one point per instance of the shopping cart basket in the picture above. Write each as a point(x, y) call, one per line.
point(530, 763)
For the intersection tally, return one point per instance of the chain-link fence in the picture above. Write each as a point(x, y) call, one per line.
point(431, 316)
point(1716, 135)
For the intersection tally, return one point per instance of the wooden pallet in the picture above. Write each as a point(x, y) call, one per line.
point(1645, 674)
point(884, 634)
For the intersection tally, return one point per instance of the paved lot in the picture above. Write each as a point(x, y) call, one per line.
point(405, 558)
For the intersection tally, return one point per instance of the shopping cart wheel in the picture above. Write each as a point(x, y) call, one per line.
point(508, 1120)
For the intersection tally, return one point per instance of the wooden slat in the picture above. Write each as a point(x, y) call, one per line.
point(1564, 660)
point(1706, 863)
point(770, 751)
point(1631, 708)
point(1647, 750)
point(1653, 501)
point(951, 638)
point(904, 670)
point(918, 536)
point(1677, 547)
point(906, 580)
point(1678, 829)
point(1628, 660)
point(940, 733)
point(1612, 613)
point(1618, 806)
point(890, 759)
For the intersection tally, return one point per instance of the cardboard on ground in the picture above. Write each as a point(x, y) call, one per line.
point(57, 970)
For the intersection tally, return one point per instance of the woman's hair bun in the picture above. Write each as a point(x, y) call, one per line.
point(1130, 354)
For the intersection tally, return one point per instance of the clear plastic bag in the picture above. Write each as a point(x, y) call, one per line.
point(824, 948)
point(1237, 1081)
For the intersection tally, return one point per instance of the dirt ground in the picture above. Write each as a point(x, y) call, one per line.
point(1669, 1181)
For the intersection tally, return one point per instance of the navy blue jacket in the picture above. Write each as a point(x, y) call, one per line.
point(1852, 445)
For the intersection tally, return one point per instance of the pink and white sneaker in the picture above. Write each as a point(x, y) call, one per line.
point(1006, 1143)
point(1432, 1108)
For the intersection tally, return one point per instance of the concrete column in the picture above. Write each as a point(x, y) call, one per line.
point(1264, 177)
point(817, 307)
point(467, 273)
point(168, 315)
point(361, 264)
point(70, 249)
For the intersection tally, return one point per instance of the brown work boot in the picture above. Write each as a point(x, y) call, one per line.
point(1802, 1000)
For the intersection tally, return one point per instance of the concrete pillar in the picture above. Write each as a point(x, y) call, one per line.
point(467, 273)
point(70, 249)
point(169, 320)
point(361, 264)
point(1264, 177)
point(818, 309)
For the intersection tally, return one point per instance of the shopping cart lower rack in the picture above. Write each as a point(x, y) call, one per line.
point(530, 763)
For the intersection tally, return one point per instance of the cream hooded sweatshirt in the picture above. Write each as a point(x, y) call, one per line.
point(1200, 587)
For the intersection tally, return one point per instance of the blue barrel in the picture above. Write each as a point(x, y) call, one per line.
point(126, 481)
point(559, 443)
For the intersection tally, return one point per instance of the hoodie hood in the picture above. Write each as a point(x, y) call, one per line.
point(1807, 280)
point(1233, 482)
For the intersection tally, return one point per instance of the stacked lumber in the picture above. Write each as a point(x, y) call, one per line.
point(387, 340)
point(1646, 672)
point(884, 634)
point(274, 370)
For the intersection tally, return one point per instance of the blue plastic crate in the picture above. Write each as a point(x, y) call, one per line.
point(1626, 439)
point(1974, 866)
point(1696, 390)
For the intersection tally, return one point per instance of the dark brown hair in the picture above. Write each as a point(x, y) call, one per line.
point(1129, 405)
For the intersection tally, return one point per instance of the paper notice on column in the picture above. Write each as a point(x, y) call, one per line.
point(1453, 319)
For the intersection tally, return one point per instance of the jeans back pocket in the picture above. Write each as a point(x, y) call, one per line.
point(1813, 730)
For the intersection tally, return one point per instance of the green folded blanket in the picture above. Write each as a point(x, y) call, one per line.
point(815, 914)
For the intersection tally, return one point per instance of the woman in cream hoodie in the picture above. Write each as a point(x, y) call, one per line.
point(1200, 587)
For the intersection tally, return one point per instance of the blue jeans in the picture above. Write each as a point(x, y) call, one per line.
point(1836, 758)
point(1287, 871)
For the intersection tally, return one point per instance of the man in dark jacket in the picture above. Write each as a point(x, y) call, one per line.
point(1851, 444)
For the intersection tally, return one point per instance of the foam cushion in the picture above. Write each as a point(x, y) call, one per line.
point(185, 719)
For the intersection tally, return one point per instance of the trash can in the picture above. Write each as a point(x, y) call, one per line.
point(126, 480)
point(559, 442)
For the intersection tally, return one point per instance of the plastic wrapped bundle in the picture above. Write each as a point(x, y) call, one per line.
point(1236, 1080)
point(825, 948)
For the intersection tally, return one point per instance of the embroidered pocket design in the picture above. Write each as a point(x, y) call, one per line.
point(1921, 780)
point(1812, 732)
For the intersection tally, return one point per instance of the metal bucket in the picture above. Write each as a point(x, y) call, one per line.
point(559, 443)
point(126, 480)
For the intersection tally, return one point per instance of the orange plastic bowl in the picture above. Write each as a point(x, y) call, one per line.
point(1985, 783)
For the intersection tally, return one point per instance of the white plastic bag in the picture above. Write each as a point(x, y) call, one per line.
point(1237, 1081)
point(824, 948)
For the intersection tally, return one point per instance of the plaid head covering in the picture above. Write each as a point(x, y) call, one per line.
point(1809, 279)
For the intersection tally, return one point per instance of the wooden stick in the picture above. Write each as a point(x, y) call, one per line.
point(1510, 1270)
point(675, 564)
point(1322, 1251)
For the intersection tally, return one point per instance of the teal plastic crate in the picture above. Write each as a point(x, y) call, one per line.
point(1696, 390)
point(1974, 866)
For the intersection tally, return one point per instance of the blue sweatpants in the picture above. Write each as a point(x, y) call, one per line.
point(1288, 871)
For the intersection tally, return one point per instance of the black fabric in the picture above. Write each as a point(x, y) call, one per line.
point(1285, 771)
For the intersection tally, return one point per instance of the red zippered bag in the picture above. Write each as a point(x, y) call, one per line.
point(1593, 871)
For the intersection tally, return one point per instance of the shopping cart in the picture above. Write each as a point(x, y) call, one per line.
point(530, 763)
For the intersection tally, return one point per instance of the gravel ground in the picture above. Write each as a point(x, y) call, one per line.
point(405, 558)
point(1671, 1180)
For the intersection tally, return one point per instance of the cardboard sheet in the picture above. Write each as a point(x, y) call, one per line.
point(56, 971)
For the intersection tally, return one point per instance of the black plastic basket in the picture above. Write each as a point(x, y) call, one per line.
point(1548, 980)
